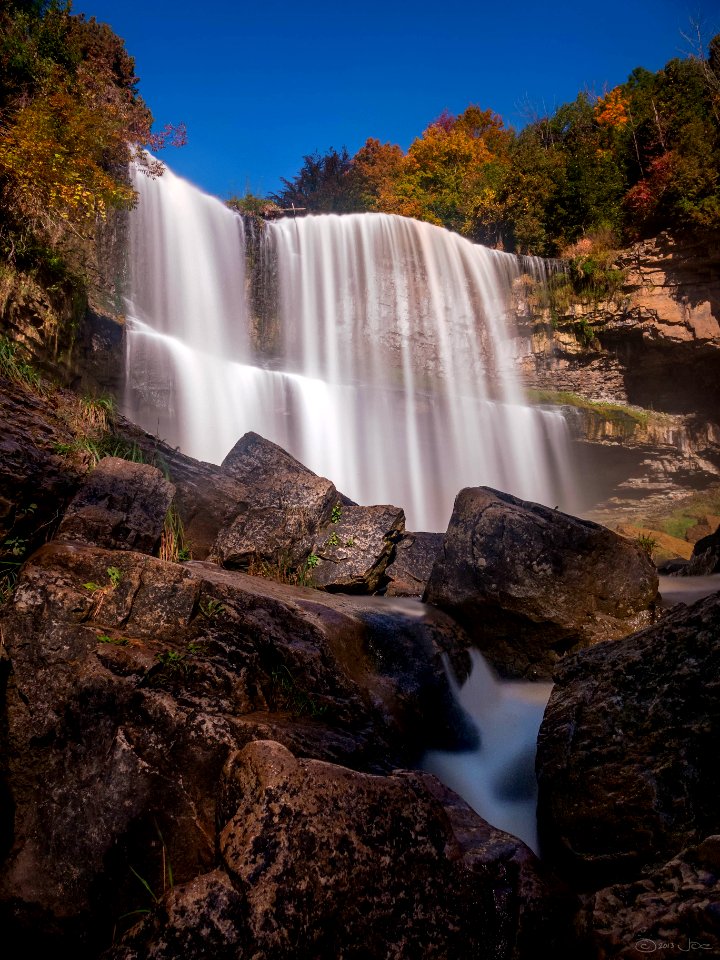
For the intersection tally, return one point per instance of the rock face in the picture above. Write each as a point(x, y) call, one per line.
point(121, 506)
point(134, 679)
point(354, 549)
point(410, 570)
point(655, 344)
point(530, 583)
point(627, 751)
point(705, 557)
point(673, 906)
point(287, 504)
point(321, 861)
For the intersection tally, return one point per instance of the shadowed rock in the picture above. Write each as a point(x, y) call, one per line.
point(530, 583)
point(121, 506)
point(415, 555)
point(321, 861)
point(673, 906)
point(705, 557)
point(627, 751)
point(128, 693)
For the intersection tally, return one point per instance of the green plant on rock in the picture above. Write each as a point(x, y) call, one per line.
point(174, 545)
point(312, 561)
point(336, 513)
point(211, 608)
point(173, 664)
point(646, 543)
point(115, 641)
point(167, 881)
point(299, 702)
point(15, 367)
point(333, 540)
point(115, 575)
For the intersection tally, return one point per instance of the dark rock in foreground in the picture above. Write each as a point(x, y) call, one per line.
point(410, 570)
point(673, 907)
point(321, 861)
point(132, 681)
point(530, 583)
point(627, 757)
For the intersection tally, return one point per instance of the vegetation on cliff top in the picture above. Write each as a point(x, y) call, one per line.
point(71, 119)
point(643, 157)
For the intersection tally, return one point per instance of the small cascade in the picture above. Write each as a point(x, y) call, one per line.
point(498, 778)
point(381, 357)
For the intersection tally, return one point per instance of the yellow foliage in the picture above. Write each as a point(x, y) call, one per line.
point(612, 110)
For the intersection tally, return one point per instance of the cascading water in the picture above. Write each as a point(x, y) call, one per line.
point(385, 365)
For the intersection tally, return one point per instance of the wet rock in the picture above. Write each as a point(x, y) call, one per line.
point(354, 549)
point(324, 861)
point(410, 570)
point(287, 505)
point(35, 481)
point(627, 751)
point(530, 583)
point(672, 907)
point(128, 692)
point(121, 505)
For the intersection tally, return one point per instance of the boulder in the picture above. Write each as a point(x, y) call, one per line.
point(530, 583)
point(627, 750)
point(412, 564)
point(705, 557)
point(321, 861)
point(354, 548)
point(674, 906)
point(121, 505)
point(128, 692)
point(287, 505)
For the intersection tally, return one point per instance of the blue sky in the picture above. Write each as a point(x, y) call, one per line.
point(261, 84)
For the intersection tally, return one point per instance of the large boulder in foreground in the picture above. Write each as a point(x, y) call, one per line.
point(317, 860)
point(530, 583)
point(627, 758)
point(128, 692)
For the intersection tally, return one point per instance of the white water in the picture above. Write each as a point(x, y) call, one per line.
point(498, 778)
point(393, 371)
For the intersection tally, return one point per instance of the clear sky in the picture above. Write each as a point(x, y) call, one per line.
point(260, 84)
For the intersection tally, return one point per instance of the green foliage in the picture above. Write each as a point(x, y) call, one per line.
point(642, 157)
point(115, 576)
point(174, 545)
point(333, 540)
point(646, 543)
point(173, 664)
point(211, 608)
point(628, 417)
point(115, 641)
point(298, 700)
point(336, 513)
point(312, 561)
point(15, 368)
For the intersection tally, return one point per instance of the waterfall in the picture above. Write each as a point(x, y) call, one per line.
point(497, 778)
point(381, 355)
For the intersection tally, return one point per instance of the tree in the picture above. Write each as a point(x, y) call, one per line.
point(323, 184)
